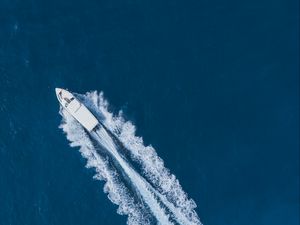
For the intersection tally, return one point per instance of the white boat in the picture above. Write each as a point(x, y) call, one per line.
point(77, 109)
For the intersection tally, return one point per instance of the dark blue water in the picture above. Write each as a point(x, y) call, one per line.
point(212, 85)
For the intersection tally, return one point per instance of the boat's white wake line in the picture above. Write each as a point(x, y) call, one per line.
point(116, 191)
point(139, 184)
point(164, 187)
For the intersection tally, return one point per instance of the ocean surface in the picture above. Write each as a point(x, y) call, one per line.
point(213, 86)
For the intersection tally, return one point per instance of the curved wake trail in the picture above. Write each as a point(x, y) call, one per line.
point(148, 197)
point(162, 200)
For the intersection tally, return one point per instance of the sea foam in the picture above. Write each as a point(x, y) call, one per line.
point(162, 183)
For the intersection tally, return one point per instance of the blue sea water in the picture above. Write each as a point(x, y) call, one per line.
point(212, 85)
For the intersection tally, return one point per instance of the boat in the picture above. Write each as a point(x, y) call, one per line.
point(77, 109)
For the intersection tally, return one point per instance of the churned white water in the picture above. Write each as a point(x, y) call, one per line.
point(162, 200)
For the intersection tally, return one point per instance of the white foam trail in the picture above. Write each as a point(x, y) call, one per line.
point(144, 188)
point(140, 185)
point(164, 186)
point(116, 191)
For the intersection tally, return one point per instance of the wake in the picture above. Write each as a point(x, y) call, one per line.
point(135, 177)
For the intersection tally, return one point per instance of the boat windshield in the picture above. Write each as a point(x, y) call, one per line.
point(68, 101)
